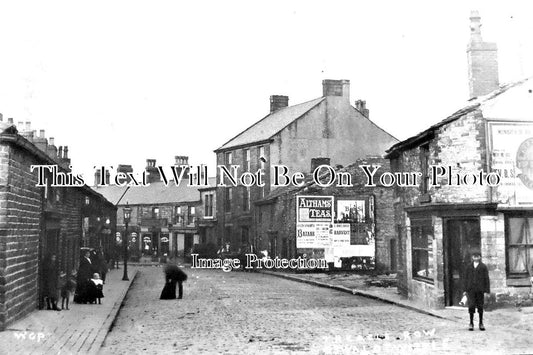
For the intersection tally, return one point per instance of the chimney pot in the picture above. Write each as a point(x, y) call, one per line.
point(51, 140)
point(65, 152)
point(1, 117)
point(360, 105)
point(60, 152)
point(28, 126)
point(277, 102)
point(181, 160)
point(10, 120)
point(20, 125)
point(41, 133)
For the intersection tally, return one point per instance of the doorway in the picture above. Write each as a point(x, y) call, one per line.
point(188, 244)
point(462, 237)
point(393, 253)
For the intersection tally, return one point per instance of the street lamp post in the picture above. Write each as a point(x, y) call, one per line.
point(127, 216)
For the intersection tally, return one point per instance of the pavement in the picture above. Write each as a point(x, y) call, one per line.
point(361, 285)
point(82, 329)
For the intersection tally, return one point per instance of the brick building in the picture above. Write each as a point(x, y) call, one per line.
point(36, 221)
point(166, 220)
point(326, 127)
point(443, 220)
point(366, 213)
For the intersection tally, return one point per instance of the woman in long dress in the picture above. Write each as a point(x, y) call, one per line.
point(85, 272)
point(173, 275)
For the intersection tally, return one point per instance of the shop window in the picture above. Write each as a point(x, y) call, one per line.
point(519, 231)
point(422, 249)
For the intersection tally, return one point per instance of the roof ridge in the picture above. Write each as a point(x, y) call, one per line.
point(319, 99)
point(470, 105)
point(375, 124)
point(296, 118)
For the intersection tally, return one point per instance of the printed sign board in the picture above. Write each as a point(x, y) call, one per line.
point(314, 209)
point(511, 153)
point(314, 218)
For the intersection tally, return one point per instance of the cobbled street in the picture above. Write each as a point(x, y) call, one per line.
point(239, 312)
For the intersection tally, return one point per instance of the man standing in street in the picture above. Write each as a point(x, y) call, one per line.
point(477, 283)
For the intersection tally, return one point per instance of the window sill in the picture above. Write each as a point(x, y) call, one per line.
point(518, 281)
point(424, 280)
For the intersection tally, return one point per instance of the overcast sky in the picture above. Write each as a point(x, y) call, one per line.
point(123, 81)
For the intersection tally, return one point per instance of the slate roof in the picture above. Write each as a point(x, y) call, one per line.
point(267, 127)
point(155, 193)
point(472, 105)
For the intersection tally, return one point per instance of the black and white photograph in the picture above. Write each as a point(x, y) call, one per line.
point(277, 177)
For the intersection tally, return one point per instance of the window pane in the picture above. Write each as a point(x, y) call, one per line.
point(420, 264)
point(517, 260)
point(520, 230)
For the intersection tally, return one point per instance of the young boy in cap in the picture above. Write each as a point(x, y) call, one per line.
point(476, 284)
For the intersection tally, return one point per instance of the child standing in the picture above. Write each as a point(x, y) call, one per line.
point(97, 286)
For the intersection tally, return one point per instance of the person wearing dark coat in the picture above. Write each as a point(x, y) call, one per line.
point(51, 282)
point(173, 275)
point(85, 272)
point(477, 283)
point(101, 265)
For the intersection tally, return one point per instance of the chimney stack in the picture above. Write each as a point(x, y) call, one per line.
point(336, 88)
point(97, 177)
point(482, 61)
point(316, 162)
point(153, 172)
point(360, 105)
point(51, 150)
point(277, 102)
point(41, 142)
point(27, 132)
point(1, 117)
point(182, 160)
point(123, 168)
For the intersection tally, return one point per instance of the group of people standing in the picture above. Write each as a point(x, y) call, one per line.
point(87, 281)
point(90, 277)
